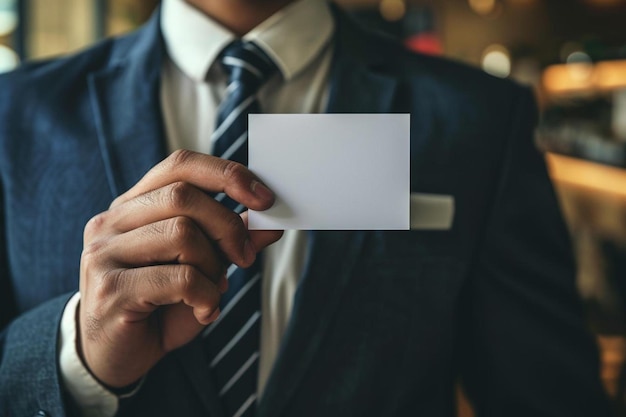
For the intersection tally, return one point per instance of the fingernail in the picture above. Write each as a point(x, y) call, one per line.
point(249, 252)
point(262, 191)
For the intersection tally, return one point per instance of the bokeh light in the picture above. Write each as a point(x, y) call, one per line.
point(8, 59)
point(8, 17)
point(483, 7)
point(497, 61)
point(392, 10)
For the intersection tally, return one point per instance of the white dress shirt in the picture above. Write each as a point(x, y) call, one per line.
point(297, 38)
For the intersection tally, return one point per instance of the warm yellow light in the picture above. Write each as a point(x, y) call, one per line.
point(580, 72)
point(585, 77)
point(567, 78)
point(609, 75)
point(587, 174)
point(483, 7)
point(392, 10)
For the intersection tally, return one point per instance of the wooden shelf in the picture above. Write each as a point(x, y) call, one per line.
point(586, 174)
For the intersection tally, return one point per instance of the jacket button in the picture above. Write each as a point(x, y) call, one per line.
point(42, 413)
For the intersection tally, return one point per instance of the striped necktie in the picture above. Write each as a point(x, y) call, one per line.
point(248, 68)
point(232, 341)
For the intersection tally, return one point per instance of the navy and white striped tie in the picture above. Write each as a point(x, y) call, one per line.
point(232, 341)
point(248, 68)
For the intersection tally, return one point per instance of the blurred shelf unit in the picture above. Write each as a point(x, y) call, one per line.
point(585, 111)
point(591, 129)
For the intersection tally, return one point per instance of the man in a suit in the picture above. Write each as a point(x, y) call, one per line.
point(363, 323)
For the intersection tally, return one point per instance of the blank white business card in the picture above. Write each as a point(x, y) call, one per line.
point(332, 171)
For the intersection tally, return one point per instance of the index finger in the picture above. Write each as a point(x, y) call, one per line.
point(208, 173)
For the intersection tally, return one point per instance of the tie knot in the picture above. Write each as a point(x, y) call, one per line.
point(245, 62)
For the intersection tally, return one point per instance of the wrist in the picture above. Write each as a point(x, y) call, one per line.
point(124, 387)
point(87, 393)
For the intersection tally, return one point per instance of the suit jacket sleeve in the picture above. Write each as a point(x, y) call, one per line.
point(526, 351)
point(29, 372)
point(7, 303)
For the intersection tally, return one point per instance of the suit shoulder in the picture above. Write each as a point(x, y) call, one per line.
point(58, 69)
point(444, 89)
point(57, 80)
point(456, 73)
point(442, 72)
point(458, 85)
point(49, 81)
point(388, 56)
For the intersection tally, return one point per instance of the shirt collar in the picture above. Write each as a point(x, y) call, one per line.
point(293, 37)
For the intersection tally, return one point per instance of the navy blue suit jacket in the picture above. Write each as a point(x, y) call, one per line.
point(384, 323)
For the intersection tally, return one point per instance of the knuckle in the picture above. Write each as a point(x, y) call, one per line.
point(182, 231)
point(100, 293)
point(146, 199)
point(180, 195)
point(95, 225)
point(179, 158)
point(234, 225)
point(234, 172)
point(92, 254)
point(160, 281)
point(109, 283)
point(186, 278)
point(117, 201)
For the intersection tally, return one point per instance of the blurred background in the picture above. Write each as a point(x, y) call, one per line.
point(571, 52)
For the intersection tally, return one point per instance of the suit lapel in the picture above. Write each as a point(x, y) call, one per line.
point(355, 88)
point(356, 85)
point(126, 105)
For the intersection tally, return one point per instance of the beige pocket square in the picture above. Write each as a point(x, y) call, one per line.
point(431, 211)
